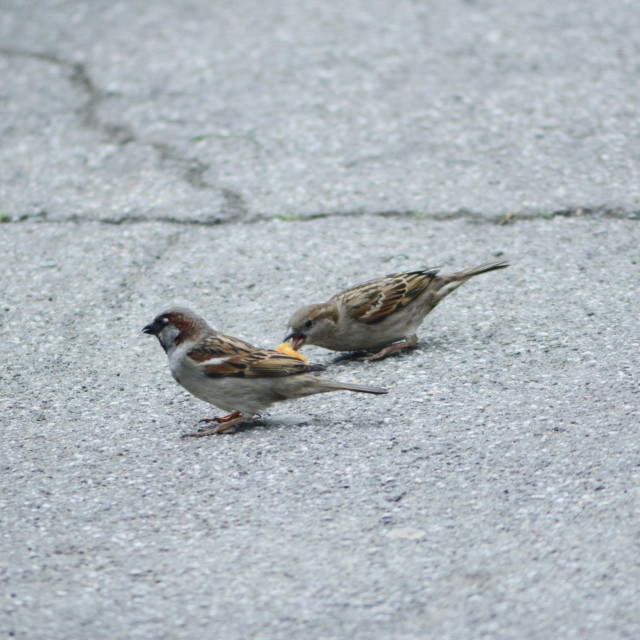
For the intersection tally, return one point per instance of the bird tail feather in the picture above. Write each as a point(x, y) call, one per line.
point(452, 281)
point(333, 385)
point(475, 271)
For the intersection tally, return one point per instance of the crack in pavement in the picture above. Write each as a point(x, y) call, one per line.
point(125, 290)
point(235, 208)
point(117, 134)
point(121, 134)
point(79, 77)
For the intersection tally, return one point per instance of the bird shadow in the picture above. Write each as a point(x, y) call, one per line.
point(266, 422)
point(248, 425)
point(238, 428)
point(430, 344)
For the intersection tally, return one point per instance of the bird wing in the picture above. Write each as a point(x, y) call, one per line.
point(371, 302)
point(219, 346)
point(259, 363)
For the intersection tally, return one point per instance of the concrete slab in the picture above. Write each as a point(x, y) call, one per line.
point(195, 111)
point(492, 492)
point(242, 160)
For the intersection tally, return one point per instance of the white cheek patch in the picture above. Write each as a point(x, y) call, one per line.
point(168, 336)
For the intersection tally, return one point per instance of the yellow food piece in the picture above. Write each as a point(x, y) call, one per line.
point(286, 348)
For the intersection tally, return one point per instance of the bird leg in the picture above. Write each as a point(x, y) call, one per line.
point(229, 416)
point(411, 341)
point(220, 428)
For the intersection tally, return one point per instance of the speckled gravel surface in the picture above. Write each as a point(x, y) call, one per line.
point(243, 160)
point(196, 110)
point(493, 492)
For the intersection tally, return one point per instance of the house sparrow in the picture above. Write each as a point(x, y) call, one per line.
point(375, 315)
point(232, 374)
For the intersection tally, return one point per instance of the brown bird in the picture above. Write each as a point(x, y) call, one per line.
point(232, 374)
point(380, 315)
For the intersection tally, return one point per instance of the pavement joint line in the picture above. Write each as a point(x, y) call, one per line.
point(236, 205)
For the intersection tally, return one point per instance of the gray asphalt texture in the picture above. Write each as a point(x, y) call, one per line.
point(243, 160)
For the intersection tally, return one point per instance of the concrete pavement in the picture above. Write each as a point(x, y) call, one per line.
point(243, 160)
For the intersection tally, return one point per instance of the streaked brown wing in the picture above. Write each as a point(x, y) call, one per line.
point(375, 300)
point(259, 363)
point(219, 346)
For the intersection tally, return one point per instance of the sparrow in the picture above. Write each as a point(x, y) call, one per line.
point(380, 315)
point(232, 374)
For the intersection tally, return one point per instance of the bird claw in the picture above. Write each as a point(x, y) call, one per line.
point(225, 424)
point(229, 416)
point(410, 342)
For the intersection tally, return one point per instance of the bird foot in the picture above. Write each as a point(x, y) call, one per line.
point(412, 341)
point(234, 418)
point(229, 416)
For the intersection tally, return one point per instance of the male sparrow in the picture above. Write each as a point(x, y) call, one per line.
point(375, 315)
point(232, 374)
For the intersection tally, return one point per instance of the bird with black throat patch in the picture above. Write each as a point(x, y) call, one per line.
point(232, 374)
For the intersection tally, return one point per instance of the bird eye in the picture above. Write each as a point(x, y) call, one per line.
point(308, 324)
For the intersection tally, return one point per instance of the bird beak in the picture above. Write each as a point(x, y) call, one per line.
point(152, 328)
point(296, 339)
